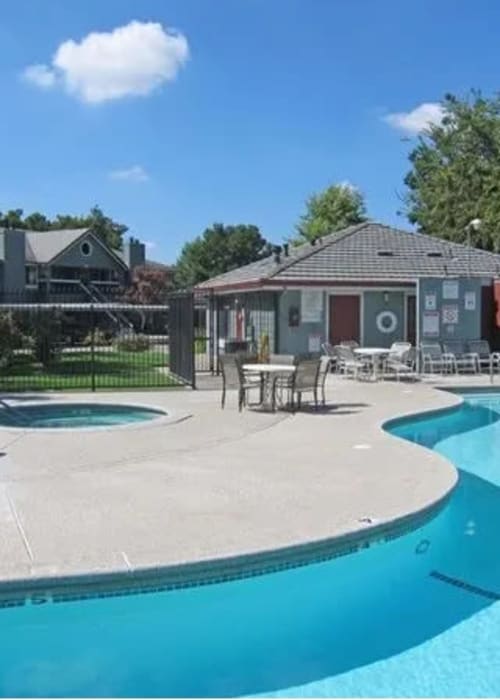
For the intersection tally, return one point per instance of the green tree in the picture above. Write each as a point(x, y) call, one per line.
point(220, 249)
point(105, 228)
point(12, 219)
point(331, 210)
point(109, 231)
point(36, 222)
point(455, 173)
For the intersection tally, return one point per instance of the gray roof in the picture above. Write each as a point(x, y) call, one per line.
point(368, 251)
point(43, 246)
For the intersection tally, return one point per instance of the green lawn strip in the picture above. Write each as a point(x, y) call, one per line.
point(74, 371)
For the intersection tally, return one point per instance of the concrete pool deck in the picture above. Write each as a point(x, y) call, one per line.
point(217, 484)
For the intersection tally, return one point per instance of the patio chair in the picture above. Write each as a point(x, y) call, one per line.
point(233, 377)
point(434, 359)
point(400, 361)
point(305, 380)
point(459, 357)
point(324, 370)
point(283, 382)
point(350, 364)
point(484, 357)
point(330, 351)
point(349, 344)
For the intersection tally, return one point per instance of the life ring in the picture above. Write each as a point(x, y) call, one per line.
point(387, 321)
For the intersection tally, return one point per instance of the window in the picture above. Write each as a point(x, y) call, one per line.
point(31, 276)
point(86, 248)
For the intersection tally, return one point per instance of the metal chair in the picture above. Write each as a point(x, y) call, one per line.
point(233, 377)
point(484, 357)
point(349, 363)
point(330, 351)
point(282, 382)
point(400, 361)
point(305, 380)
point(459, 357)
point(434, 358)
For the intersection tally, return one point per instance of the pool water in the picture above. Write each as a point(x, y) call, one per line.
point(74, 415)
point(414, 616)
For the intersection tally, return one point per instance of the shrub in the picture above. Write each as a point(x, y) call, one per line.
point(100, 338)
point(132, 343)
point(10, 338)
point(45, 335)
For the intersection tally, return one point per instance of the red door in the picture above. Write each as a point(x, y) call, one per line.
point(344, 318)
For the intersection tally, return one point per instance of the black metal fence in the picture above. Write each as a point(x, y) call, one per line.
point(63, 341)
point(63, 344)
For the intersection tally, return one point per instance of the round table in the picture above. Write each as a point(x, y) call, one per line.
point(267, 370)
point(376, 354)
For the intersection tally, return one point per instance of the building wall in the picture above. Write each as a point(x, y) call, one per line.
point(298, 340)
point(468, 326)
point(374, 305)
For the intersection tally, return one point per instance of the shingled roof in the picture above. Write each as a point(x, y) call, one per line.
point(368, 251)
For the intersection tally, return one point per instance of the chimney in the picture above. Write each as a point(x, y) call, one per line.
point(13, 251)
point(134, 253)
point(285, 249)
point(277, 254)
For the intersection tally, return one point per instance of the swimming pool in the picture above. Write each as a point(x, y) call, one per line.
point(415, 616)
point(74, 415)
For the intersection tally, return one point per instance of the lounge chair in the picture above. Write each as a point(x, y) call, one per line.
point(459, 357)
point(233, 377)
point(400, 361)
point(434, 360)
point(484, 357)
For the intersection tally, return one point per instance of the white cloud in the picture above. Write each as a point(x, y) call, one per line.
point(418, 119)
point(134, 174)
point(132, 60)
point(40, 75)
point(150, 245)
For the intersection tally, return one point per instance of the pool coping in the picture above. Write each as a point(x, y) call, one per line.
point(83, 586)
point(127, 581)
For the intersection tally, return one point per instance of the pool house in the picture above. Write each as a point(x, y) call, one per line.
point(370, 283)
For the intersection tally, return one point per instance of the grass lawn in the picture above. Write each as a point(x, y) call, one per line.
point(73, 370)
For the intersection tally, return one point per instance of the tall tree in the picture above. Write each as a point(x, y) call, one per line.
point(12, 219)
point(455, 173)
point(219, 249)
point(331, 210)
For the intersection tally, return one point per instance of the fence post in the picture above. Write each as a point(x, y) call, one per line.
point(92, 346)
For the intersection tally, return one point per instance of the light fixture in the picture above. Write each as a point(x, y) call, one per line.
point(386, 297)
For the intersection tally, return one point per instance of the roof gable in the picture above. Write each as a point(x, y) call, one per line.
point(44, 247)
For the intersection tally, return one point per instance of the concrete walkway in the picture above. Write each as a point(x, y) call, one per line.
point(217, 484)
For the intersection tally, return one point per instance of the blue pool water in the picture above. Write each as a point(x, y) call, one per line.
point(74, 415)
point(415, 616)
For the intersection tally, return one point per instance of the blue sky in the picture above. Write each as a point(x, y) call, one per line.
point(250, 107)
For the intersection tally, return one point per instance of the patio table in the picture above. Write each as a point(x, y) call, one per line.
point(269, 373)
point(376, 355)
